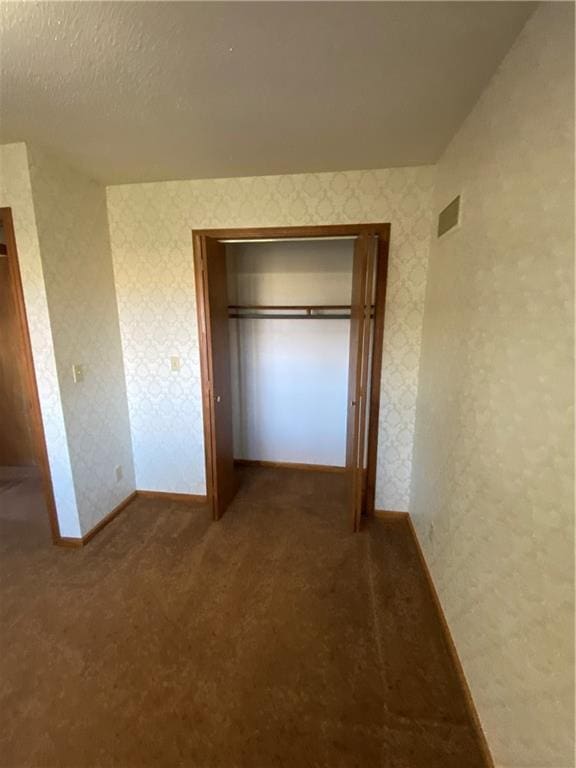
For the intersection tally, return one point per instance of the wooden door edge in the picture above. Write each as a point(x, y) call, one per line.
point(382, 231)
point(365, 412)
point(39, 436)
point(376, 372)
point(205, 367)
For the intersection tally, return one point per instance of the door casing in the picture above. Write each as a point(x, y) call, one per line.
point(382, 232)
point(27, 364)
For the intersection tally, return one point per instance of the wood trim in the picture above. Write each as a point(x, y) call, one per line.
point(483, 744)
point(210, 262)
point(198, 245)
point(388, 514)
point(354, 391)
point(261, 233)
point(366, 374)
point(75, 543)
point(109, 517)
point(29, 373)
point(289, 465)
point(69, 541)
point(188, 498)
point(376, 372)
point(199, 237)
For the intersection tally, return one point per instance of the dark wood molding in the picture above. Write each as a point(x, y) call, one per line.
point(330, 230)
point(367, 370)
point(198, 245)
point(376, 373)
point(483, 744)
point(213, 325)
point(29, 373)
point(289, 465)
point(388, 514)
point(69, 541)
point(187, 498)
point(355, 401)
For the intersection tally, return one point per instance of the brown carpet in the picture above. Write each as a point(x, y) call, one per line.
point(272, 638)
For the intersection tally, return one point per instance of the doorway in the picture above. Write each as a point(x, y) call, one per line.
point(362, 308)
point(25, 482)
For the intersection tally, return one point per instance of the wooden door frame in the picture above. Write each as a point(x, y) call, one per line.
point(27, 360)
point(382, 230)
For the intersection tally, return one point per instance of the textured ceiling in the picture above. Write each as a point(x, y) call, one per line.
point(148, 91)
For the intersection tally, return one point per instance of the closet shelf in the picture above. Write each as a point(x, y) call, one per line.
point(290, 311)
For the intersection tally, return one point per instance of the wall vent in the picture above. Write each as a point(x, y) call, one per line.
point(449, 217)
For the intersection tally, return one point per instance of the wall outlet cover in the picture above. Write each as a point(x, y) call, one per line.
point(77, 373)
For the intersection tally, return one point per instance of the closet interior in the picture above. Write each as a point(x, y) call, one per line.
point(290, 337)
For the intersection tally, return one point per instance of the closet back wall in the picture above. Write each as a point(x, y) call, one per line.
point(150, 227)
point(290, 377)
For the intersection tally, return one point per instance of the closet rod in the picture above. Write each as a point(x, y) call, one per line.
point(314, 239)
point(278, 311)
point(307, 307)
point(279, 316)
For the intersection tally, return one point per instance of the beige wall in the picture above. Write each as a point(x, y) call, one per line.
point(16, 193)
point(493, 463)
point(63, 247)
point(75, 249)
point(492, 493)
point(150, 228)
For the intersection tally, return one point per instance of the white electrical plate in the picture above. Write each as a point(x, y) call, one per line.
point(77, 373)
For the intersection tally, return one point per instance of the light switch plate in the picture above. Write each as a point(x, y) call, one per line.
point(77, 373)
point(175, 363)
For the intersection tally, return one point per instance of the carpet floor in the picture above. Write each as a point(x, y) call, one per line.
point(273, 638)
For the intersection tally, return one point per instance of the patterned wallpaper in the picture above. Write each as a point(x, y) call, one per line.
point(72, 229)
point(150, 227)
point(16, 193)
point(493, 470)
point(492, 488)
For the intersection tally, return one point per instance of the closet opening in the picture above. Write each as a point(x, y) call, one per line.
point(291, 324)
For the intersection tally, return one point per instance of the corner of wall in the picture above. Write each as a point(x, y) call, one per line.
point(16, 193)
point(74, 249)
point(492, 484)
